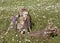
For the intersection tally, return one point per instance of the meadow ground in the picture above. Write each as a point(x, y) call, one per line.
point(40, 10)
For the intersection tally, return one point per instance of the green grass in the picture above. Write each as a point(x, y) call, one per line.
point(40, 10)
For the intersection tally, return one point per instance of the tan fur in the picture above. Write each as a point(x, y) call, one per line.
point(24, 21)
point(50, 31)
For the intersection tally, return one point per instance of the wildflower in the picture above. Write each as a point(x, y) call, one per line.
point(2, 15)
point(12, 39)
point(47, 8)
point(19, 41)
point(44, 16)
point(1, 36)
point(16, 35)
point(27, 40)
point(38, 4)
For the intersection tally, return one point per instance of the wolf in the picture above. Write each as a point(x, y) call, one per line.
point(22, 21)
point(24, 24)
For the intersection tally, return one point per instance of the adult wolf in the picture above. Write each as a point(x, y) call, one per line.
point(22, 20)
point(24, 24)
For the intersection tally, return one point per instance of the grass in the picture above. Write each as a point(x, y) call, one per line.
point(40, 10)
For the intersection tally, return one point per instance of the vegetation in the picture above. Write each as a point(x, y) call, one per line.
point(40, 10)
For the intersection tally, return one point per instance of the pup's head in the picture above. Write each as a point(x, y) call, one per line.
point(51, 32)
point(23, 12)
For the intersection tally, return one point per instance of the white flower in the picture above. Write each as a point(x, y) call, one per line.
point(38, 4)
point(44, 16)
point(12, 39)
point(27, 40)
point(55, 26)
point(48, 7)
point(19, 41)
point(1, 36)
point(2, 15)
point(16, 35)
